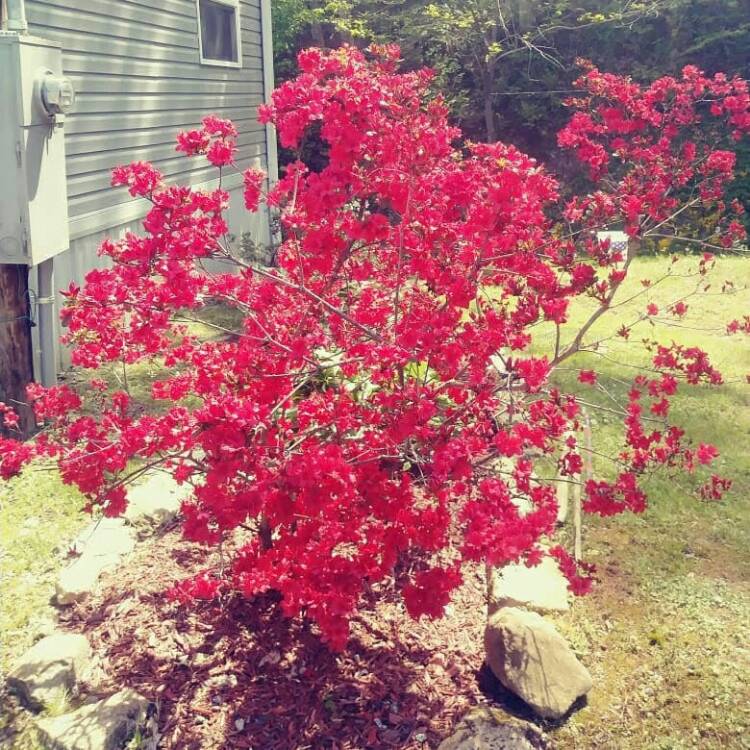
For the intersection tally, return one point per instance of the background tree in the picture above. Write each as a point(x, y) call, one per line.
point(506, 68)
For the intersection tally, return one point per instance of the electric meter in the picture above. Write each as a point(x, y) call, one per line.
point(57, 93)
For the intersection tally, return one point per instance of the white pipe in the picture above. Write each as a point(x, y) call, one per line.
point(268, 86)
point(272, 158)
point(47, 321)
point(17, 16)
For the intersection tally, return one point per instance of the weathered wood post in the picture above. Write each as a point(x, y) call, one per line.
point(16, 359)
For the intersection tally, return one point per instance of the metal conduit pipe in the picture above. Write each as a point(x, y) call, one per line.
point(16, 16)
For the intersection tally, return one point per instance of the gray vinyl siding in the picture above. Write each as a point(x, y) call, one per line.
point(136, 68)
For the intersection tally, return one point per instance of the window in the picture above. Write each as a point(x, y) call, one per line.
point(219, 32)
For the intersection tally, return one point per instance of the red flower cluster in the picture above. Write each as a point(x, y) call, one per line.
point(8, 415)
point(375, 418)
point(657, 146)
point(217, 139)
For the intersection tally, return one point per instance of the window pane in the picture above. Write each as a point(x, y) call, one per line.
point(218, 33)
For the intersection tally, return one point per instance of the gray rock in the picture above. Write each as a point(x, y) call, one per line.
point(42, 626)
point(531, 659)
point(542, 588)
point(50, 666)
point(95, 679)
point(485, 729)
point(106, 725)
point(101, 546)
point(156, 501)
point(103, 536)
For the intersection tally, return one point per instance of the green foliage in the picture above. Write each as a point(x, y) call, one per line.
point(740, 188)
point(298, 24)
point(507, 66)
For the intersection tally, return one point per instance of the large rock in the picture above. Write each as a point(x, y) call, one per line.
point(156, 501)
point(542, 588)
point(485, 729)
point(101, 546)
point(50, 666)
point(531, 659)
point(106, 725)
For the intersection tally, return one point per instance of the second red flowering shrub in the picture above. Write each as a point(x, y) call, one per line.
point(377, 415)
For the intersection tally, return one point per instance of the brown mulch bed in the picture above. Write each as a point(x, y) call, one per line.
point(239, 675)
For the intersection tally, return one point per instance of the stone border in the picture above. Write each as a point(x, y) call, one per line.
point(61, 667)
point(105, 542)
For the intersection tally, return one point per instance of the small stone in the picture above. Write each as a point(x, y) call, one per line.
point(485, 729)
point(105, 725)
point(271, 658)
point(54, 664)
point(103, 536)
point(222, 681)
point(96, 679)
point(532, 660)
point(101, 547)
point(239, 724)
point(156, 501)
point(542, 588)
point(42, 627)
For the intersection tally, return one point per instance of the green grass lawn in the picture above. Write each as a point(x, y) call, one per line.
point(39, 517)
point(665, 634)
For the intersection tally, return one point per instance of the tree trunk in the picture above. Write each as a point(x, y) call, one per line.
point(265, 534)
point(489, 106)
point(316, 28)
point(16, 362)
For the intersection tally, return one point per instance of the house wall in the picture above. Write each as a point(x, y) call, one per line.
point(136, 68)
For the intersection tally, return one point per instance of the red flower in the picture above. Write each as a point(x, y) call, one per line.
point(429, 594)
point(221, 153)
point(253, 181)
point(706, 454)
point(193, 142)
point(678, 309)
point(141, 178)
point(587, 376)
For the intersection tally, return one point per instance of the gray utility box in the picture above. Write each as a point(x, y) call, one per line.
point(34, 96)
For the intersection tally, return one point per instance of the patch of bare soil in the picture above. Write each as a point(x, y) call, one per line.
point(236, 674)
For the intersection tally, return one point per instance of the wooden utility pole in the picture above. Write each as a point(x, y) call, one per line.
point(16, 359)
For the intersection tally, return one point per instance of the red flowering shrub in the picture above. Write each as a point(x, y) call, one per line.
point(378, 413)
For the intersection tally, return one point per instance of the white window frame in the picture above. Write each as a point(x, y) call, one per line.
point(235, 4)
